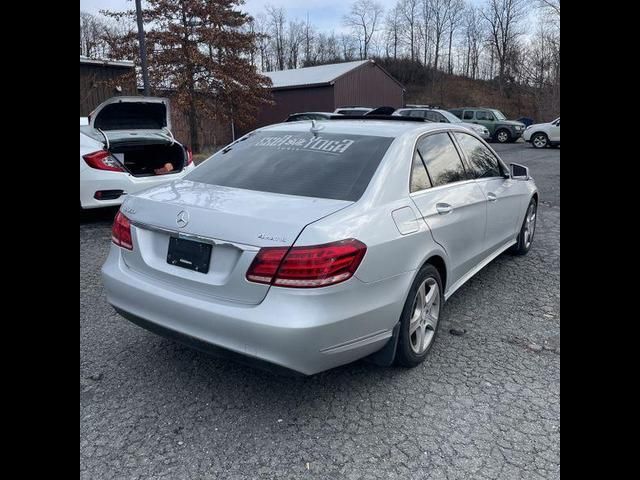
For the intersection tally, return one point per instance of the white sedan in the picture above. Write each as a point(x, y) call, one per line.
point(541, 135)
point(126, 146)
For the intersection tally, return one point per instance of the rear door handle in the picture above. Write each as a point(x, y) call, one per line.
point(492, 197)
point(444, 208)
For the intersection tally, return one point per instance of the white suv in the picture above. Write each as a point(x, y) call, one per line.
point(542, 134)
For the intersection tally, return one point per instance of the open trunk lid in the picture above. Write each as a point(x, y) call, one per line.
point(132, 113)
point(132, 120)
point(235, 222)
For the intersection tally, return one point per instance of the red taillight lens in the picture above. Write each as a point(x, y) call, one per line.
point(307, 267)
point(102, 160)
point(189, 156)
point(121, 232)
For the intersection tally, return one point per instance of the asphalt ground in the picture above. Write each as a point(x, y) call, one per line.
point(485, 405)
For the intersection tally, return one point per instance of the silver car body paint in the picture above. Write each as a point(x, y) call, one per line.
point(310, 330)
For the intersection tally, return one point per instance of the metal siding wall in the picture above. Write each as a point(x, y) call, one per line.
point(368, 86)
point(312, 99)
point(96, 84)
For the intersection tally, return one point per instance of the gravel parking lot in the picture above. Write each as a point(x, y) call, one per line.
point(485, 405)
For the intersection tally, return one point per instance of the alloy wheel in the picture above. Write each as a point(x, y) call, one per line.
point(503, 136)
point(424, 319)
point(540, 141)
point(530, 225)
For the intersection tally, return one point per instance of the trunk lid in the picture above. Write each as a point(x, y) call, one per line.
point(132, 113)
point(132, 120)
point(236, 222)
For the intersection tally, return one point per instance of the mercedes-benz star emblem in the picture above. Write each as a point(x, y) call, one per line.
point(183, 219)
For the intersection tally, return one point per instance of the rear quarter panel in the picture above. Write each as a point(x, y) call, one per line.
point(389, 253)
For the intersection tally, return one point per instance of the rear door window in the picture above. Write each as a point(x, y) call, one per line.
point(468, 115)
point(442, 159)
point(334, 166)
point(483, 163)
point(419, 177)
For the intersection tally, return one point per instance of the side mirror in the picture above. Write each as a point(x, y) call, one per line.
point(519, 172)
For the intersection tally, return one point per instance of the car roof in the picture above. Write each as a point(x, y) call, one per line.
point(377, 128)
point(431, 109)
point(307, 113)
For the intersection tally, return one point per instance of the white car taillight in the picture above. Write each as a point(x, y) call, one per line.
point(102, 160)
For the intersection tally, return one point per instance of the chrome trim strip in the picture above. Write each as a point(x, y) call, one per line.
point(193, 236)
point(441, 187)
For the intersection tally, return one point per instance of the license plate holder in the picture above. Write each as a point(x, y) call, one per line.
point(189, 254)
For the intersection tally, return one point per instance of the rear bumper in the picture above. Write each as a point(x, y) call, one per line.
point(92, 180)
point(306, 331)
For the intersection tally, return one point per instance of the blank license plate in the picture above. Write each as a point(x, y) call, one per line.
point(189, 254)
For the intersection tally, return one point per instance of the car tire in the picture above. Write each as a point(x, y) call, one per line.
point(421, 313)
point(527, 231)
point(539, 140)
point(503, 136)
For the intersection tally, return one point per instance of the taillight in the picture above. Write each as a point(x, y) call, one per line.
point(102, 160)
point(307, 267)
point(121, 232)
point(189, 156)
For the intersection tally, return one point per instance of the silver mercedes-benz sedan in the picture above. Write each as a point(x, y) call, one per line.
point(308, 245)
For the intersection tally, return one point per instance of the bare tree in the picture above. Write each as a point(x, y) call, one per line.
point(333, 48)
point(473, 40)
point(454, 19)
point(261, 30)
point(440, 18)
point(504, 18)
point(364, 18)
point(392, 31)
point(92, 30)
point(347, 47)
point(277, 18)
point(426, 29)
point(408, 10)
point(550, 5)
point(295, 40)
point(309, 33)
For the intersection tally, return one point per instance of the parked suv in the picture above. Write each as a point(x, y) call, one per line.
point(501, 129)
point(541, 135)
point(437, 115)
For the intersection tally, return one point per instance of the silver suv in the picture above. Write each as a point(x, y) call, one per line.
point(437, 115)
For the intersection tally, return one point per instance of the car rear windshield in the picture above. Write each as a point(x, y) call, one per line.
point(334, 166)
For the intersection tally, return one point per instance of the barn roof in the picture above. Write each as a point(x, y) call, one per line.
point(312, 76)
point(104, 61)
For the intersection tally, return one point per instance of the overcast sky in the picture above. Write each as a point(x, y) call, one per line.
point(326, 15)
